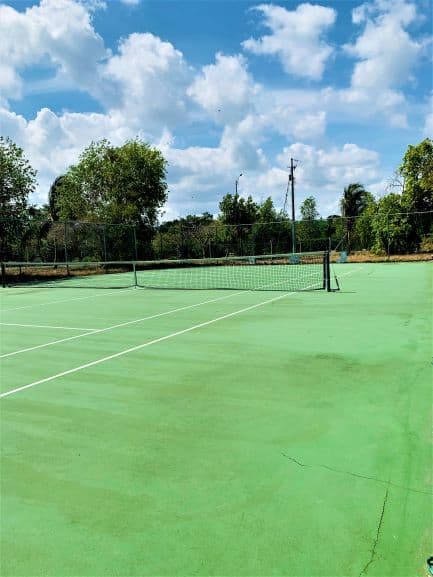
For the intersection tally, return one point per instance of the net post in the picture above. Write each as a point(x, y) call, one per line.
point(326, 272)
point(135, 274)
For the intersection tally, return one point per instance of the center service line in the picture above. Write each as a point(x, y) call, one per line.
point(143, 345)
point(149, 343)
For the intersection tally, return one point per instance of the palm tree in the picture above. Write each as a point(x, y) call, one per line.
point(353, 203)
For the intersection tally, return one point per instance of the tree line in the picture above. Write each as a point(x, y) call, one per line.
point(107, 206)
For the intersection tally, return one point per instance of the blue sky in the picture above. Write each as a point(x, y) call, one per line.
point(222, 88)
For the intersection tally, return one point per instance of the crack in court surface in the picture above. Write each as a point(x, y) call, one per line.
point(376, 540)
point(358, 475)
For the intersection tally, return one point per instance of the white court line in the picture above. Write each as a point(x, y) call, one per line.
point(96, 331)
point(46, 327)
point(143, 345)
point(118, 291)
point(124, 324)
point(153, 342)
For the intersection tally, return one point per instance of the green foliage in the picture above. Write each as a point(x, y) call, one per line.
point(123, 184)
point(53, 198)
point(188, 237)
point(309, 209)
point(417, 171)
point(353, 201)
point(266, 211)
point(17, 182)
point(363, 234)
point(310, 229)
point(391, 229)
point(236, 210)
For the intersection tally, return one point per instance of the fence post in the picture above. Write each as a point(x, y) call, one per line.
point(66, 246)
point(135, 241)
point(105, 242)
point(387, 235)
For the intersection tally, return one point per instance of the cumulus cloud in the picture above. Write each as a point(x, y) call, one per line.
point(53, 142)
point(428, 122)
point(147, 88)
point(225, 90)
point(386, 57)
point(324, 172)
point(385, 50)
point(149, 78)
point(296, 38)
point(428, 125)
point(56, 33)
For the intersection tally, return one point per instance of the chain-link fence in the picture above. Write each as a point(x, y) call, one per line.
point(33, 240)
point(48, 241)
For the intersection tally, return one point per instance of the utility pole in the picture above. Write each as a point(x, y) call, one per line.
point(237, 182)
point(292, 181)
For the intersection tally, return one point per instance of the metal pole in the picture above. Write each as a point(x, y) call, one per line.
point(135, 241)
point(236, 183)
point(105, 242)
point(66, 247)
point(387, 234)
point(292, 181)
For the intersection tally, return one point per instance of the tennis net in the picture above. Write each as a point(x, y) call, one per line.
point(285, 272)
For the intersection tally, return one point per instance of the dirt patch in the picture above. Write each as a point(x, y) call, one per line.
point(365, 256)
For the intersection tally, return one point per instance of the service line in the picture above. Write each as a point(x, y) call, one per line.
point(158, 340)
point(46, 327)
point(124, 324)
point(143, 345)
point(118, 291)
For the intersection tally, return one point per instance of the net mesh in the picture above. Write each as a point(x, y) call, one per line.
point(286, 272)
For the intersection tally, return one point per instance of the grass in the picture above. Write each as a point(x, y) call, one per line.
point(292, 438)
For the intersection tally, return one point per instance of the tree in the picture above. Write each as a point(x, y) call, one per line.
point(417, 172)
point(239, 214)
point(266, 211)
point(53, 195)
point(352, 203)
point(309, 229)
point(268, 230)
point(309, 209)
point(119, 185)
point(17, 182)
point(236, 210)
point(391, 228)
point(363, 234)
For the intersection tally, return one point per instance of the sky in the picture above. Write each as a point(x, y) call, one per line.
point(222, 88)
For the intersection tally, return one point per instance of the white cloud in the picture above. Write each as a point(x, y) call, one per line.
point(385, 50)
point(149, 78)
point(428, 125)
point(324, 173)
point(310, 126)
point(56, 33)
point(225, 90)
point(386, 58)
point(52, 143)
point(147, 88)
point(296, 38)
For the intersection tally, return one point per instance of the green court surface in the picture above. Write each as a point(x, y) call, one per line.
point(175, 433)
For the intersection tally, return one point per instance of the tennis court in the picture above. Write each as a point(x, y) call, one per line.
point(219, 432)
